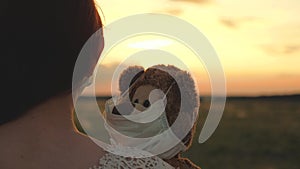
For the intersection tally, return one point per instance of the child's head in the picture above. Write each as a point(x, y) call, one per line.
point(41, 43)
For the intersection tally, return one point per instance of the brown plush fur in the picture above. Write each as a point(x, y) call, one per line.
point(182, 163)
point(161, 77)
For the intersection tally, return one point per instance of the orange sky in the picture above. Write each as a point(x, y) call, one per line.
point(258, 42)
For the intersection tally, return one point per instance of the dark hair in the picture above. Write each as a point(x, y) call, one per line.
point(41, 41)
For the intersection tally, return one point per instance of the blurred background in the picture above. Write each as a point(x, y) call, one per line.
point(258, 43)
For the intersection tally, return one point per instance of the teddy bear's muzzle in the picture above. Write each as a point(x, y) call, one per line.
point(123, 109)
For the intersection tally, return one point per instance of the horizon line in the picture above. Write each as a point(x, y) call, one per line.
point(229, 96)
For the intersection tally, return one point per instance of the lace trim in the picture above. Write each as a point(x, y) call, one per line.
point(121, 161)
point(112, 161)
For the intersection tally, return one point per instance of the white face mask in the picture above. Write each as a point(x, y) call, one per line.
point(143, 130)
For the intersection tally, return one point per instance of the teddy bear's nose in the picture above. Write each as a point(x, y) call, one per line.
point(139, 107)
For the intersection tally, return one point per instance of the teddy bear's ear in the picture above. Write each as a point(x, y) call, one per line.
point(128, 76)
point(187, 85)
point(188, 91)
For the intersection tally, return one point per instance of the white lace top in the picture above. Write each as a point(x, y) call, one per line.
point(117, 158)
point(112, 161)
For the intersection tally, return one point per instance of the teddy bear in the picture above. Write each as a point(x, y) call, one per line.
point(177, 84)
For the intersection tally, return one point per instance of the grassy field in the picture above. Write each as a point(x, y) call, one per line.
point(254, 133)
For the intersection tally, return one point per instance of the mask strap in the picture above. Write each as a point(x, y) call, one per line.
point(168, 90)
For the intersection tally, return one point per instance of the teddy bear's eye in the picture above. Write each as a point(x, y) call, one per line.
point(146, 103)
point(136, 101)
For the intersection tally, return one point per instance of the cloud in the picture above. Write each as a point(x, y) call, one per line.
point(289, 49)
point(194, 1)
point(284, 39)
point(288, 75)
point(231, 22)
point(285, 49)
point(174, 11)
point(177, 10)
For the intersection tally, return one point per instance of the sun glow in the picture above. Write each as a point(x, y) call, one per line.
point(259, 50)
point(150, 44)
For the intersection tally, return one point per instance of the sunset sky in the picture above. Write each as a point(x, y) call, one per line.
point(258, 42)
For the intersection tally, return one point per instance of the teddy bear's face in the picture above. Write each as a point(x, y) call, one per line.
point(141, 82)
point(140, 99)
point(144, 97)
